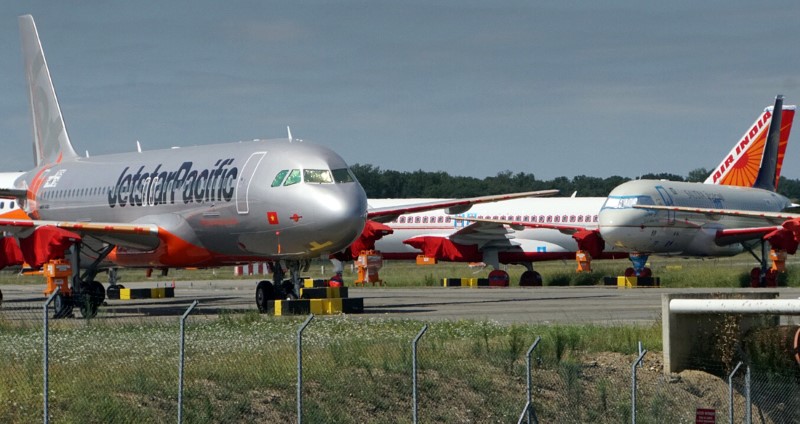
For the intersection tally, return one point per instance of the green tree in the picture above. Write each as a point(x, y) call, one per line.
point(698, 175)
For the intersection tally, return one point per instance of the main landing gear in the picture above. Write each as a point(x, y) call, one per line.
point(286, 289)
point(85, 292)
point(763, 275)
point(638, 260)
point(529, 277)
point(112, 292)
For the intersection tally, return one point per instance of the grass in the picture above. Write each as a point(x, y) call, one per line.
point(674, 272)
point(243, 369)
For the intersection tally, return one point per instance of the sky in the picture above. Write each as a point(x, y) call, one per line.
point(472, 88)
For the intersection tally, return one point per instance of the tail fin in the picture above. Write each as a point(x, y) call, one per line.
point(742, 165)
point(50, 140)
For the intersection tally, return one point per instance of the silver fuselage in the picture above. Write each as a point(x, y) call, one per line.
point(214, 204)
point(680, 233)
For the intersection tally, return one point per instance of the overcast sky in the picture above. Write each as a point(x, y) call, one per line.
point(472, 88)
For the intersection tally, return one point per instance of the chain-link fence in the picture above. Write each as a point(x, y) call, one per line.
point(244, 368)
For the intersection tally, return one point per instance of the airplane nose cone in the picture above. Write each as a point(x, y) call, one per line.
point(618, 225)
point(345, 213)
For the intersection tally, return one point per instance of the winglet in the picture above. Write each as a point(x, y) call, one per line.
point(767, 173)
point(50, 140)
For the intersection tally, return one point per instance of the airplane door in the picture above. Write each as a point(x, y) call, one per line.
point(667, 199)
point(245, 179)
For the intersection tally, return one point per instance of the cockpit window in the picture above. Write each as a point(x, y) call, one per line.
point(294, 177)
point(279, 178)
point(342, 175)
point(313, 176)
point(317, 176)
point(626, 202)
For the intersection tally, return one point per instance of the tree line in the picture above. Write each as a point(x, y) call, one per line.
point(386, 184)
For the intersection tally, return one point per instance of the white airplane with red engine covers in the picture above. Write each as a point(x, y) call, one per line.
point(523, 231)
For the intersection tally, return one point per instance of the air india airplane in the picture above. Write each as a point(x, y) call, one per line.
point(691, 219)
point(282, 200)
point(523, 231)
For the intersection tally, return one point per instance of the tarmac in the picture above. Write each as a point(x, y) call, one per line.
point(604, 305)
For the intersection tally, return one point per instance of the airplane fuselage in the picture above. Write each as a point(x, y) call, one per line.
point(679, 233)
point(524, 245)
point(218, 204)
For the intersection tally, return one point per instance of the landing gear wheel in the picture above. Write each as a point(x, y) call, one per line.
point(62, 306)
point(646, 272)
point(91, 300)
point(288, 290)
point(97, 293)
point(264, 293)
point(755, 277)
point(498, 278)
point(772, 278)
point(88, 310)
point(530, 279)
point(112, 292)
point(629, 272)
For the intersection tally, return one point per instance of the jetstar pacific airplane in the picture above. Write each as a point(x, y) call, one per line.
point(691, 219)
point(281, 200)
point(526, 230)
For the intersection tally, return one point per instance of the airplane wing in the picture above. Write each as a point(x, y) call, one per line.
point(774, 221)
point(137, 236)
point(588, 239)
point(774, 218)
point(483, 234)
point(520, 225)
point(453, 206)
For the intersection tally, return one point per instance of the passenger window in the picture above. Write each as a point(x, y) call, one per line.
point(293, 178)
point(425, 220)
point(317, 176)
point(416, 220)
point(279, 178)
point(402, 220)
point(11, 205)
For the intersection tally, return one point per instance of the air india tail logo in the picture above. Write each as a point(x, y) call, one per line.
point(741, 165)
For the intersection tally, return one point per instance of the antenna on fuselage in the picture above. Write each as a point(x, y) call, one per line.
point(87, 153)
point(138, 147)
point(289, 132)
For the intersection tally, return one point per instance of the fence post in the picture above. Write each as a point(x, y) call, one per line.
point(730, 391)
point(748, 405)
point(46, 353)
point(633, 385)
point(414, 369)
point(181, 361)
point(528, 405)
point(300, 368)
